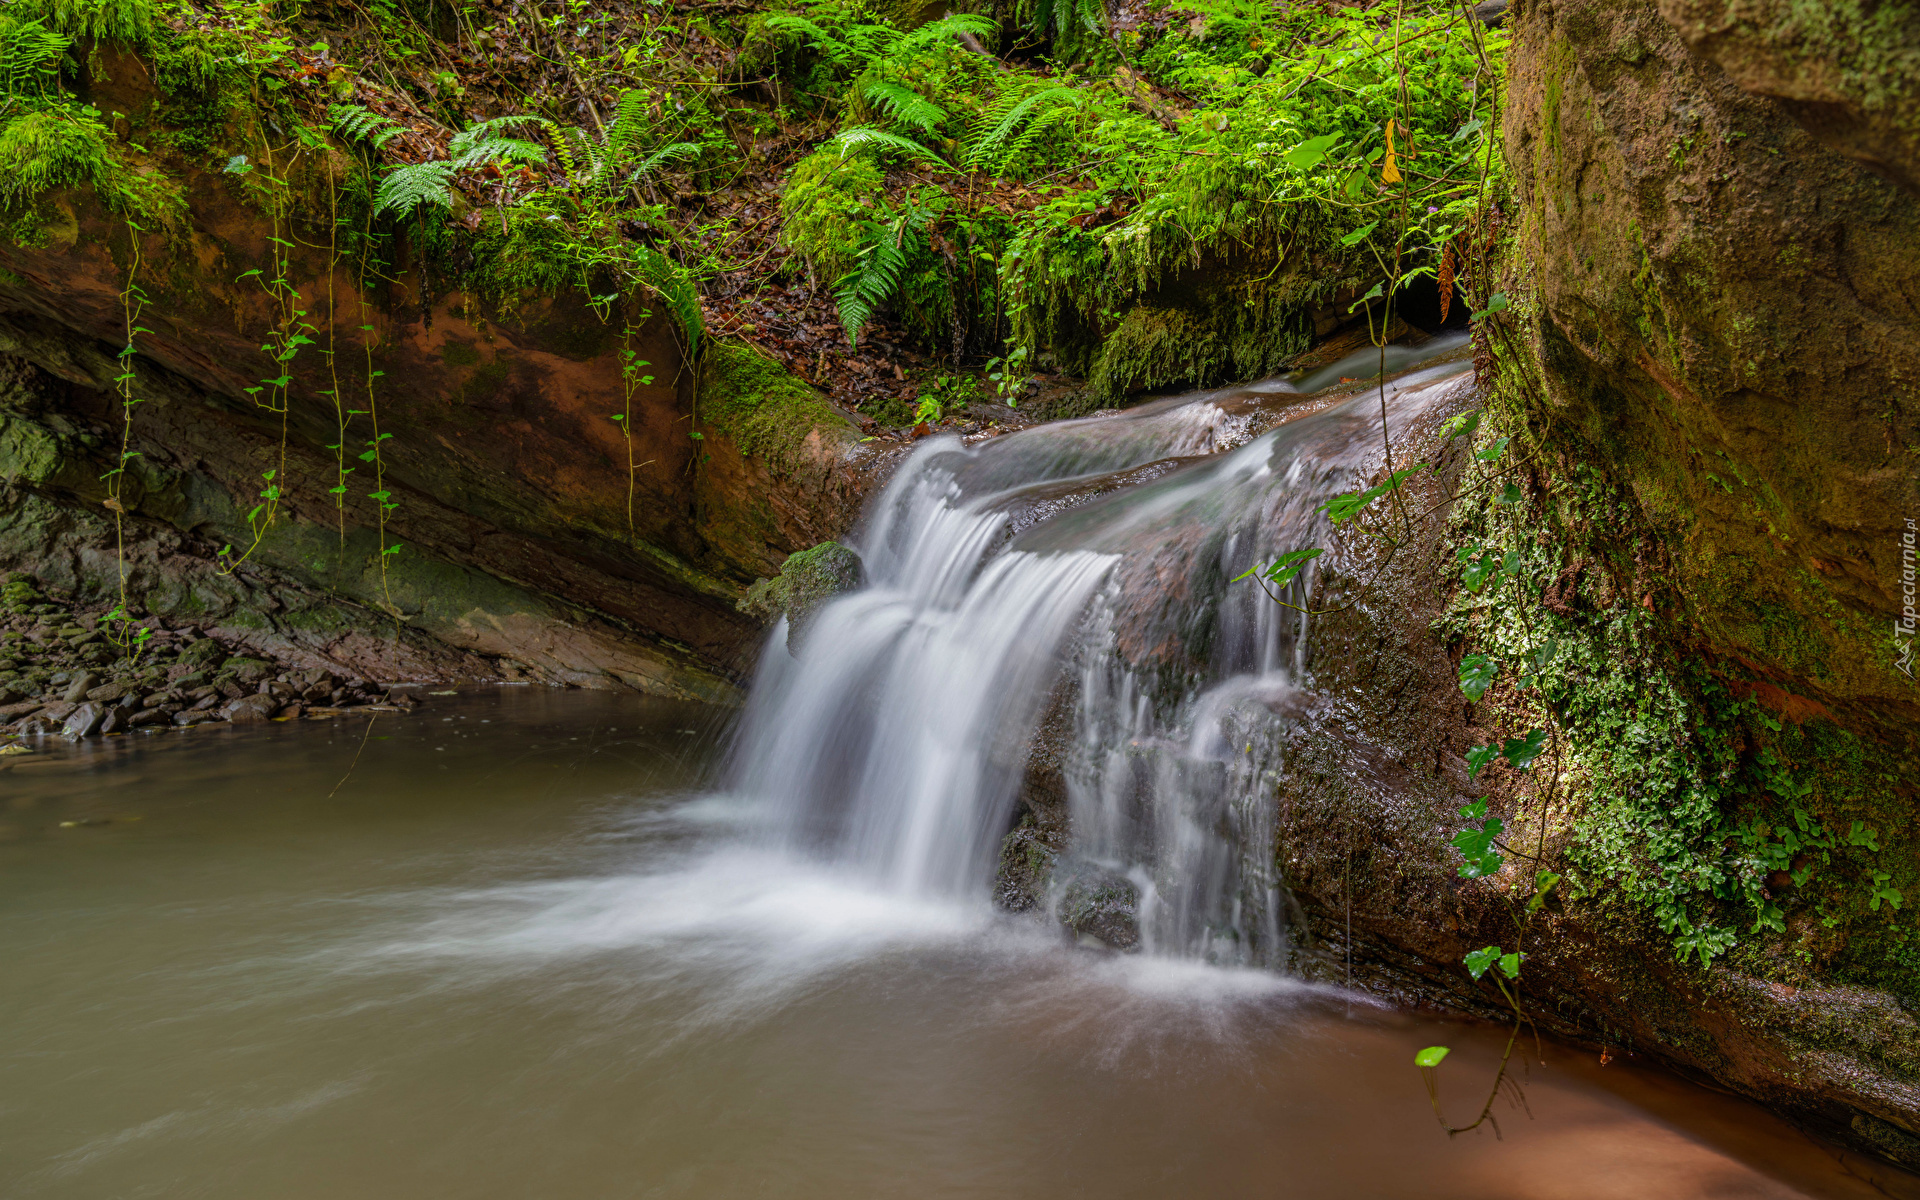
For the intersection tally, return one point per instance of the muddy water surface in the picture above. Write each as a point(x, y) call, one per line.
point(520, 953)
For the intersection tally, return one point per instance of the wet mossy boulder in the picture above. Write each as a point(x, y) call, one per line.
point(204, 653)
point(249, 671)
point(807, 580)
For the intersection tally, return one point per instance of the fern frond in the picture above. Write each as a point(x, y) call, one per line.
point(952, 25)
point(868, 42)
point(797, 28)
point(501, 150)
point(903, 104)
point(492, 130)
point(358, 124)
point(883, 264)
point(585, 158)
point(865, 137)
point(677, 152)
point(989, 150)
point(407, 188)
point(632, 122)
point(676, 289)
point(30, 58)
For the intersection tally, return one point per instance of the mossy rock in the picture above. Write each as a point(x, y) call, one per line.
point(767, 411)
point(807, 580)
point(249, 670)
point(204, 653)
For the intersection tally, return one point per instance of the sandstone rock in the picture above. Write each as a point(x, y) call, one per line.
point(116, 721)
point(81, 684)
point(251, 708)
point(108, 692)
point(84, 721)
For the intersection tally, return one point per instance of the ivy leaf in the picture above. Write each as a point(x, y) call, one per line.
point(1360, 235)
point(1461, 425)
point(1479, 757)
point(1476, 675)
point(1496, 304)
point(1361, 302)
point(237, 165)
point(1510, 963)
point(1310, 153)
point(1510, 496)
point(1481, 567)
point(1538, 660)
point(1285, 569)
point(1430, 1058)
point(1349, 505)
point(1521, 752)
point(1479, 960)
point(1493, 450)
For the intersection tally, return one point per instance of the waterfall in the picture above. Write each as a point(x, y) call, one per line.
point(1088, 563)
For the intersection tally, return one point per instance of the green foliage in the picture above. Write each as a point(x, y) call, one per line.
point(126, 21)
point(31, 56)
point(1283, 570)
point(880, 269)
point(1015, 124)
point(70, 147)
point(904, 105)
point(407, 188)
point(358, 124)
point(1476, 845)
point(827, 202)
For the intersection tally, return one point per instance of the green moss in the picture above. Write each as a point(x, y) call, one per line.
point(50, 147)
point(126, 21)
point(826, 201)
point(767, 412)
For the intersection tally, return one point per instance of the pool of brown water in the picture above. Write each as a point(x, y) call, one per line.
point(508, 947)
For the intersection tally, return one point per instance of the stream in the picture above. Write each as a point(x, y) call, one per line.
point(522, 952)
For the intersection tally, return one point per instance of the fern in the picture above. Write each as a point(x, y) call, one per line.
point(903, 104)
point(500, 150)
point(883, 264)
point(357, 124)
point(677, 152)
point(953, 25)
point(489, 131)
point(658, 272)
point(30, 57)
point(1065, 21)
point(631, 124)
point(988, 148)
point(127, 21)
point(405, 189)
point(865, 137)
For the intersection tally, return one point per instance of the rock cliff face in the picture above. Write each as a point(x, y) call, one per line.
point(537, 534)
point(1727, 311)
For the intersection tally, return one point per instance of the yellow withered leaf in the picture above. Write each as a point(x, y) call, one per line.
point(1389, 172)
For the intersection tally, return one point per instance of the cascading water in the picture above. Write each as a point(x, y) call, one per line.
point(1088, 560)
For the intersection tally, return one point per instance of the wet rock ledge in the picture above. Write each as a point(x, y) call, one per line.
point(69, 672)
